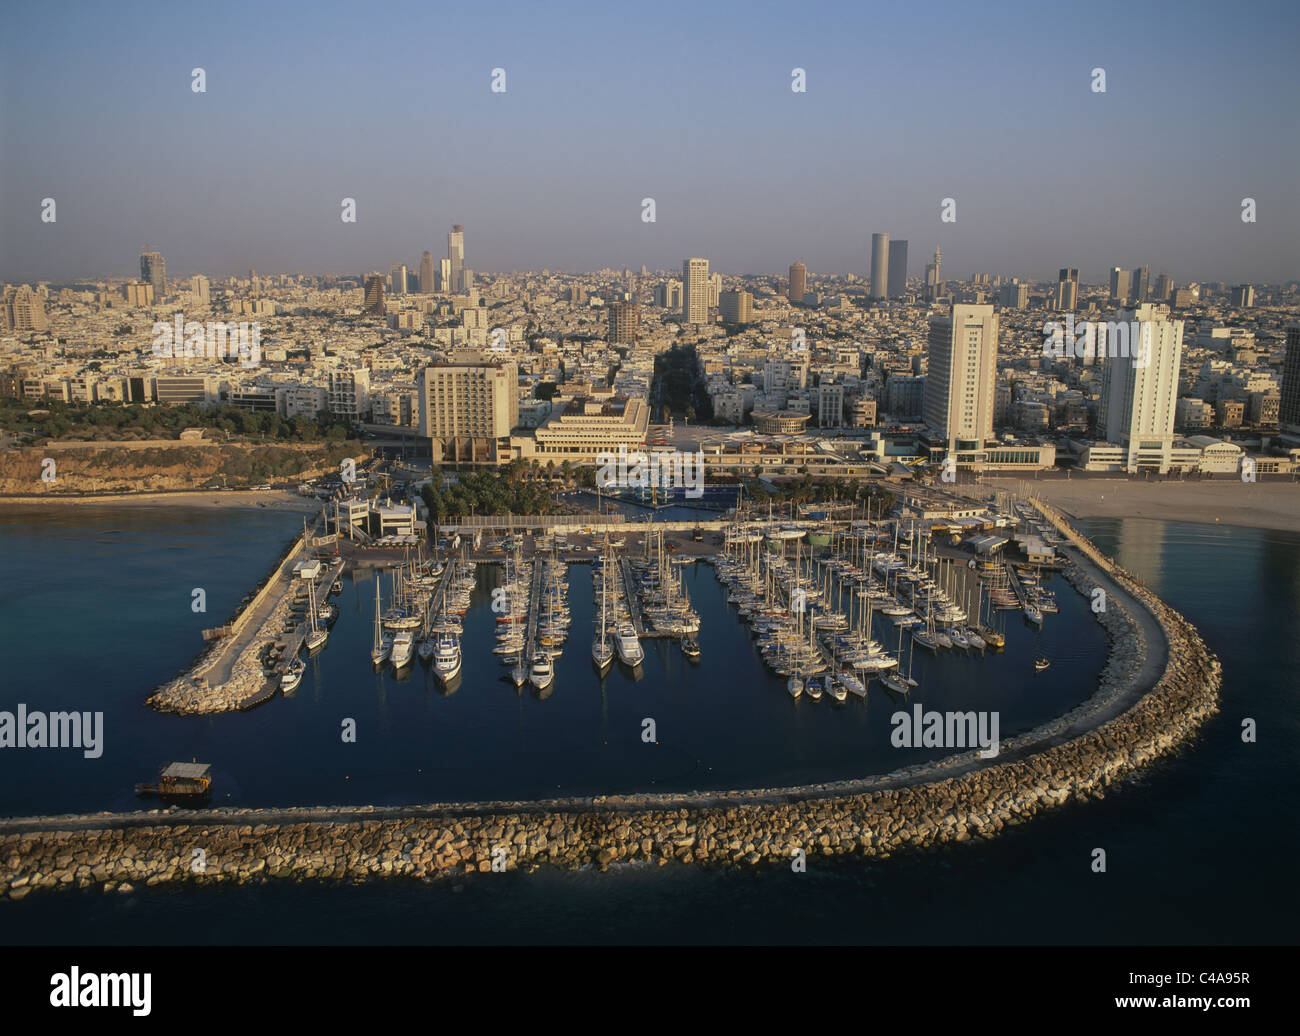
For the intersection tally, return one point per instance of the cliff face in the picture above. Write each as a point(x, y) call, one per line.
point(140, 467)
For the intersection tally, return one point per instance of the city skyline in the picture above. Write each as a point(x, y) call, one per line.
point(250, 172)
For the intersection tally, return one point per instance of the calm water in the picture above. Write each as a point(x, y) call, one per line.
point(1183, 841)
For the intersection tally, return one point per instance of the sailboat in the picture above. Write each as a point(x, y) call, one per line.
point(383, 644)
point(317, 637)
point(602, 651)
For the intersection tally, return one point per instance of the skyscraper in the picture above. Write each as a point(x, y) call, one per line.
point(960, 379)
point(397, 279)
point(897, 269)
point(456, 253)
point(798, 282)
point(736, 307)
point(201, 290)
point(443, 280)
point(1139, 283)
point(154, 270)
point(624, 322)
point(1119, 285)
point(1138, 398)
point(426, 273)
point(374, 302)
point(879, 266)
point(1067, 289)
point(932, 275)
point(695, 291)
point(1288, 413)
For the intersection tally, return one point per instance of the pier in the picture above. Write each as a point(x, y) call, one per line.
point(633, 597)
point(534, 606)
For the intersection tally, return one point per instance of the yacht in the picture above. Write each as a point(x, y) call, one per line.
point(629, 647)
point(403, 649)
point(292, 677)
point(542, 672)
point(690, 648)
point(851, 683)
point(446, 657)
point(834, 688)
point(1040, 664)
point(1033, 615)
point(795, 686)
point(814, 688)
point(426, 649)
point(383, 643)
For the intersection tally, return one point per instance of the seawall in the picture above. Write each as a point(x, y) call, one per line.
point(1160, 683)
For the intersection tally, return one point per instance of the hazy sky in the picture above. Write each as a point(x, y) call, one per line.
point(687, 103)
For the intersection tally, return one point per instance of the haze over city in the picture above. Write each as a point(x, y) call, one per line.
point(989, 105)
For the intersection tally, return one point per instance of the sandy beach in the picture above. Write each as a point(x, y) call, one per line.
point(274, 500)
point(1260, 505)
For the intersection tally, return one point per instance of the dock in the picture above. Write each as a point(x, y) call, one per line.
point(534, 606)
point(290, 644)
point(632, 597)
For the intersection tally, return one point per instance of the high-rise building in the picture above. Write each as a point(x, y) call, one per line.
point(1014, 295)
point(154, 270)
point(444, 277)
point(1139, 392)
point(397, 279)
point(1067, 289)
point(798, 282)
point(1243, 296)
point(897, 269)
point(879, 266)
point(1140, 284)
point(348, 390)
point(426, 274)
point(1164, 289)
point(736, 307)
point(624, 322)
point(1120, 281)
point(24, 309)
point(138, 293)
point(374, 302)
point(695, 291)
point(1288, 411)
point(960, 379)
point(471, 398)
point(201, 290)
point(932, 280)
point(456, 255)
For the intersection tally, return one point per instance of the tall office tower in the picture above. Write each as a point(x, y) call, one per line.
point(426, 273)
point(444, 277)
point(932, 281)
point(1164, 289)
point(1067, 289)
point(254, 285)
point(737, 307)
point(937, 276)
point(1014, 295)
point(1120, 281)
point(201, 290)
point(1243, 296)
point(1138, 398)
point(1288, 410)
point(24, 309)
point(374, 294)
point(715, 290)
point(456, 253)
point(695, 291)
point(897, 269)
point(1140, 284)
point(397, 279)
point(154, 270)
point(138, 293)
point(798, 282)
point(879, 266)
point(466, 281)
point(624, 322)
point(471, 399)
point(960, 384)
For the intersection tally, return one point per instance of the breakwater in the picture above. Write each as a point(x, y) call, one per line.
point(1159, 684)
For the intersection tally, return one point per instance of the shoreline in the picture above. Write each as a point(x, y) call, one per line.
point(1256, 505)
point(229, 499)
point(1159, 684)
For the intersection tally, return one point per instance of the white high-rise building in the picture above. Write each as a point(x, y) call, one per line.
point(960, 381)
point(397, 279)
point(879, 266)
point(696, 288)
point(1139, 391)
point(456, 254)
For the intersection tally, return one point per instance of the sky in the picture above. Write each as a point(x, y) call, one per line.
point(690, 104)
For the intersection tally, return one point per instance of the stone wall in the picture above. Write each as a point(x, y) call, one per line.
point(1074, 757)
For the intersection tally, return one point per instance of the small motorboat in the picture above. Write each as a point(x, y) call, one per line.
point(690, 648)
point(1040, 664)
